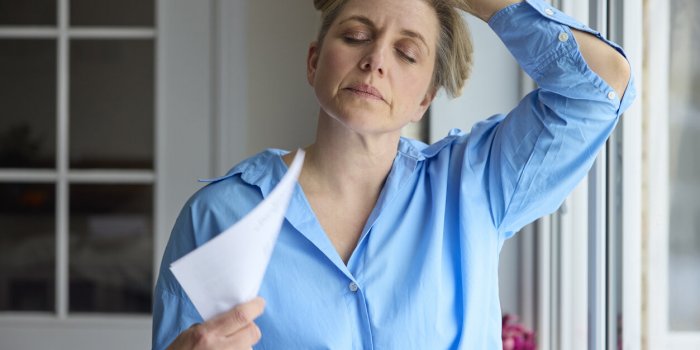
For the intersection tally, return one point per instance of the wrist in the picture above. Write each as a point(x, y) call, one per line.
point(486, 9)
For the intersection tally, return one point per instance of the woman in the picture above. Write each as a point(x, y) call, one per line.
point(390, 243)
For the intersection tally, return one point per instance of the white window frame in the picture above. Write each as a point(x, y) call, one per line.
point(656, 171)
point(630, 36)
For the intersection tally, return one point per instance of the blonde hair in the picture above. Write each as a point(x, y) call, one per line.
point(453, 59)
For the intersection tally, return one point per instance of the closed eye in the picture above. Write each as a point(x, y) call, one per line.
point(406, 57)
point(354, 37)
point(351, 40)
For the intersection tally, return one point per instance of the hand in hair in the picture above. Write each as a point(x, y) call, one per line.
point(233, 330)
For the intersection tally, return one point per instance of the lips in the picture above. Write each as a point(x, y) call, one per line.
point(365, 90)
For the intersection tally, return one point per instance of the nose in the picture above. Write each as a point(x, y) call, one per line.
point(374, 59)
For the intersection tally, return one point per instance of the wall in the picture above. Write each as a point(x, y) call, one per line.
point(265, 101)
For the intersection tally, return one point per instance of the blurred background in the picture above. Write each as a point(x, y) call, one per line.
point(110, 110)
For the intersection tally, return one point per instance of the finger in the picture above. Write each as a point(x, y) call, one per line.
point(245, 337)
point(237, 318)
point(232, 321)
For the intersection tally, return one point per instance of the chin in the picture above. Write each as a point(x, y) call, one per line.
point(360, 116)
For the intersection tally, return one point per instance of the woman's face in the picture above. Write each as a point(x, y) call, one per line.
point(373, 71)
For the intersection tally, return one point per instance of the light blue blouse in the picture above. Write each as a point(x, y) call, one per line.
point(424, 274)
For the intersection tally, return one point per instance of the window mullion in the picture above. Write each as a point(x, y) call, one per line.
point(657, 195)
point(31, 33)
point(626, 26)
point(62, 164)
point(596, 254)
point(544, 282)
point(597, 220)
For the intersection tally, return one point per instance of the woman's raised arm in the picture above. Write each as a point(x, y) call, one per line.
point(604, 60)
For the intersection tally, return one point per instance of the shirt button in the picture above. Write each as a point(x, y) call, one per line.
point(353, 287)
point(611, 95)
point(549, 12)
point(563, 37)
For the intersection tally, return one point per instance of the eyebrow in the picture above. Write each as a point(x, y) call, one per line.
point(368, 22)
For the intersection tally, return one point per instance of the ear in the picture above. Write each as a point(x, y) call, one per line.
point(312, 62)
point(425, 103)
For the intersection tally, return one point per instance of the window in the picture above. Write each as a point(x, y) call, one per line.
point(684, 167)
point(672, 226)
point(77, 156)
point(92, 211)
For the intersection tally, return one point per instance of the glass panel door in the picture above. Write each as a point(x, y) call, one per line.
point(77, 156)
point(684, 166)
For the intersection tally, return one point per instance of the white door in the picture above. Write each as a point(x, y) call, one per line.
point(105, 122)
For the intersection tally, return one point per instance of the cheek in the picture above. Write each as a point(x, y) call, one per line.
point(334, 63)
point(415, 87)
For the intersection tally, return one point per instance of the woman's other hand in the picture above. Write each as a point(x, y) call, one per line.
point(484, 9)
point(233, 330)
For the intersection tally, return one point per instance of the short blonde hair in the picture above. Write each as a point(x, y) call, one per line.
point(453, 59)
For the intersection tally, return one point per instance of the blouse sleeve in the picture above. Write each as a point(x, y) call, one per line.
point(173, 312)
point(534, 156)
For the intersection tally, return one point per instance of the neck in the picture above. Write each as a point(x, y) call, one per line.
point(345, 162)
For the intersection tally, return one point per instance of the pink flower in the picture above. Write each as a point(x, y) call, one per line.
point(515, 336)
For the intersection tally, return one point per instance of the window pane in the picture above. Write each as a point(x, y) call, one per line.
point(27, 247)
point(111, 104)
point(112, 12)
point(27, 103)
point(684, 94)
point(27, 12)
point(111, 248)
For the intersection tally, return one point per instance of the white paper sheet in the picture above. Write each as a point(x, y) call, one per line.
point(229, 269)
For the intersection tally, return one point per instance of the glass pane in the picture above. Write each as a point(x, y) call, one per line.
point(27, 103)
point(111, 248)
point(111, 104)
point(112, 13)
point(684, 95)
point(27, 12)
point(27, 247)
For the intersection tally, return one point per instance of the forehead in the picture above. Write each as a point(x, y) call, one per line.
point(413, 15)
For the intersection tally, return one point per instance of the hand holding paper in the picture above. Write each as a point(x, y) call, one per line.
point(229, 269)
